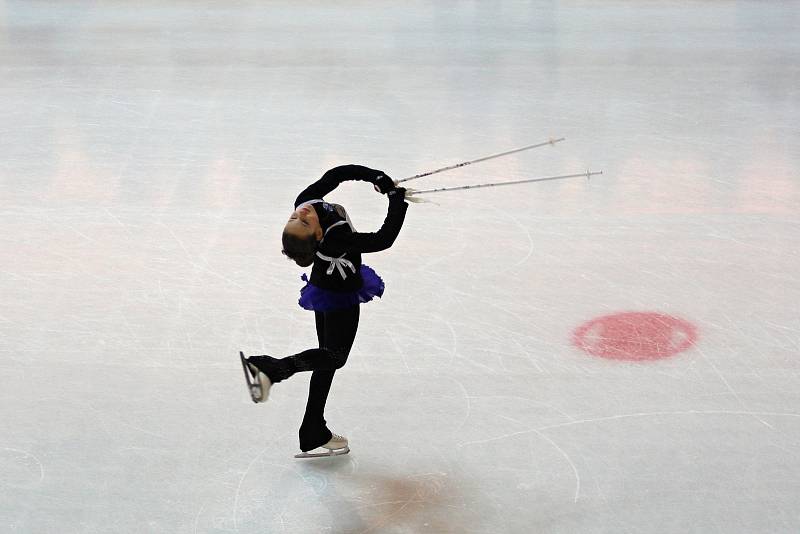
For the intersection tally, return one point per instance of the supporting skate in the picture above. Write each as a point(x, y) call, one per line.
point(258, 384)
point(337, 446)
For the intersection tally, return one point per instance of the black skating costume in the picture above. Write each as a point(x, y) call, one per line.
point(339, 283)
point(338, 278)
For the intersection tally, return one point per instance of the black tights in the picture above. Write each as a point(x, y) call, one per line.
point(336, 331)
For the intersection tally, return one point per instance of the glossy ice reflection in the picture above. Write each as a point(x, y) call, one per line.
point(150, 154)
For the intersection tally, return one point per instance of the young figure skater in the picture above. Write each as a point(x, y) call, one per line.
point(321, 233)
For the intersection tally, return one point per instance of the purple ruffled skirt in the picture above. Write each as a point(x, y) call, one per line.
point(317, 299)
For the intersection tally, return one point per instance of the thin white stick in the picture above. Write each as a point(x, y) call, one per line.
point(465, 163)
point(587, 174)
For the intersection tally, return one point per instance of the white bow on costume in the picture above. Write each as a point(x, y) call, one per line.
point(338, 263)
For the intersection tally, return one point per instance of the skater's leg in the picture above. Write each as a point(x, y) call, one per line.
point(266, 370)
point(321, 359)
point(336, 331)
point(329, 356)
point(313, 430)
point(309, 360)
point(319, 320)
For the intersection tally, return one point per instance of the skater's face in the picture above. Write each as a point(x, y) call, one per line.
point(304, 223)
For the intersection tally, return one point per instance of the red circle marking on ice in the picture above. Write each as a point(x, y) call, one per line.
point(635, 336)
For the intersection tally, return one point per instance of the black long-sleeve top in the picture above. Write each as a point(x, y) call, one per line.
point(340, 240)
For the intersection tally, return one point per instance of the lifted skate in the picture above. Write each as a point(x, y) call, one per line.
point(258, 384)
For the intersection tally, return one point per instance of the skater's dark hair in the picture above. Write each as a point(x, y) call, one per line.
point(298, 249)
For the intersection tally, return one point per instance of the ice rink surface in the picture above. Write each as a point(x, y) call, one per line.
point(614, 355)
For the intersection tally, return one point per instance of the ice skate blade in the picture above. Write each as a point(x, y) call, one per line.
point(260, 390)
point(258, 384)
point(331, 452)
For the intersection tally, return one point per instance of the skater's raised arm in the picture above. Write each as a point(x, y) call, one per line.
point(374, 241)
point(303, 231)
point(331, 180)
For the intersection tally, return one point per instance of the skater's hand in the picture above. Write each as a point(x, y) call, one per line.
point(384, 184)
point(398, 193)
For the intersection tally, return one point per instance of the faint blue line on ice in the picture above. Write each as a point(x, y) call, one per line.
point(26, 453)
point(566, 456)
point(628, 416)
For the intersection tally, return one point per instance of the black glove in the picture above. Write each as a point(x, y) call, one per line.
point(383, 184)
point(398, 193)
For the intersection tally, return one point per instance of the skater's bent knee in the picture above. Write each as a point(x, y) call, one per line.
point(339, 357)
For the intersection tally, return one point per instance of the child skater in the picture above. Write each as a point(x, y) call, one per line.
point(321, 233)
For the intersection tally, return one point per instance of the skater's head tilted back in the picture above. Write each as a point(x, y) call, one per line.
point(301, 235)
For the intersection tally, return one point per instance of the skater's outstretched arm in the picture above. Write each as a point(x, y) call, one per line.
point(344, 241)
point(332, 178)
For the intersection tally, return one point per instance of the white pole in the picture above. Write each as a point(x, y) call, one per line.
point(587, 174)
point(465, 163)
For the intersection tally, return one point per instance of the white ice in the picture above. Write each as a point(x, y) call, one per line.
point(150, 153)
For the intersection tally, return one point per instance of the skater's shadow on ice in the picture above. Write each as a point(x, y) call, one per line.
point(358, 501)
